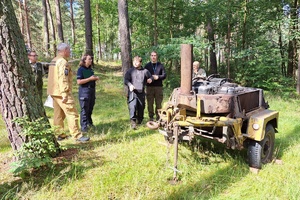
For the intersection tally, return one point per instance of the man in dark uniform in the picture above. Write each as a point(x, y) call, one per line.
point(136, 78)
point(154, 91)
point(38, 70)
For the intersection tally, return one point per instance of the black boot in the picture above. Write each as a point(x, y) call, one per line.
point(133, 124)
point(140, 121)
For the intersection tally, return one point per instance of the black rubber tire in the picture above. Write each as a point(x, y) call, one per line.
point(262, 152)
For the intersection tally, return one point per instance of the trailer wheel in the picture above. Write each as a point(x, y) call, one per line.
point(261, 152)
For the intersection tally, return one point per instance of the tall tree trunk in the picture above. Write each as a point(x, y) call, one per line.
point(171, 19)
point(58, 21)
point(228, 39)
point(88, 28)
point(52, 28)
point(292, 49)
point(98, 31)
point(21, 17)
point(155, 32)
point(27, 25)
point(212, 50)
point(124, 35)
point(72, 22)
point(283, 67)
point(46, 29)
point(18, 97)
point(298, 77)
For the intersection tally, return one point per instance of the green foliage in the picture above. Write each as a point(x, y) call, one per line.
point(119, 163)
point(39, 147)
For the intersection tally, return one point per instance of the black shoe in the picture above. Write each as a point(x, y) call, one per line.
point(62, 137)
point(83, 139)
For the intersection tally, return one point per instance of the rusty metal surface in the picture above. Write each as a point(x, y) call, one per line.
point(216, 103)
point(249, 101)
point(186, 68)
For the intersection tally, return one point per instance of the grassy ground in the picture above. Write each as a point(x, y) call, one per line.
point(119, 163)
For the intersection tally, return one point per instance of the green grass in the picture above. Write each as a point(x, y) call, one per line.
point(119, 163)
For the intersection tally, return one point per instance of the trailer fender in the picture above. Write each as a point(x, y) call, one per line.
point(257, 124)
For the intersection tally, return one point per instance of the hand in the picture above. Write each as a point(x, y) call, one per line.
point(155, 77)
point(149, 80)
point(131, 88)
point(64, 99)
point(96, 78)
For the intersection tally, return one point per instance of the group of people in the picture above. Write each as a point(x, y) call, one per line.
point(137, 79)
point(143, 83)
point(148, 82)
point(60, 77)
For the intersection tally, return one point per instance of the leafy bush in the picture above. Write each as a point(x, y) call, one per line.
point(39, 147)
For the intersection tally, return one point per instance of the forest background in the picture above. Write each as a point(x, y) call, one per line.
point(253, 42)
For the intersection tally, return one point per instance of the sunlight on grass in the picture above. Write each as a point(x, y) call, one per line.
point(119, 163)
point(4, 141)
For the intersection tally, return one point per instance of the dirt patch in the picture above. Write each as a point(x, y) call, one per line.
point(6, 159)
point(66, 155)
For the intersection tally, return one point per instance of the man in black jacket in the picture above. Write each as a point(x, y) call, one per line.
point(154, 91)
point(136, 78)
point(38, 70)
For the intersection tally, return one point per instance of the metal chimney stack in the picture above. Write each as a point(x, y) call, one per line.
point(186, 55)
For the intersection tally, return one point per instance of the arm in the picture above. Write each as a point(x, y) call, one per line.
point(86, 80)
point(149, 77)
point(63, 74)
point(163, 74)
point(41, 66)
point(127, 80)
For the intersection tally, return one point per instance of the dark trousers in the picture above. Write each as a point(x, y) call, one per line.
point(87, 101)
point(154, 94)
point(136, 106)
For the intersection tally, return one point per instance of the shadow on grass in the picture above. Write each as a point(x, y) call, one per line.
point(204, 154)
point(52, 178)
point(284, 143)
point(207, 185)
point(208, 154)
point(112, 133)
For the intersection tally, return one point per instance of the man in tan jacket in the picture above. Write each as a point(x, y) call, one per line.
point(60, 88)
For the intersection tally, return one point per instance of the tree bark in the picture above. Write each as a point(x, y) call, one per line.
point(88, 28)
point(46, 29)
point(228, 46)
point(21, 17)
point(292, 49)
point(98, 32)
point(72, 22)
point(28, 36)
point(124, 35)
point(155, 32)
point(18, 97)
point(52, 29)
point(212, 50)
point(59, 22)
